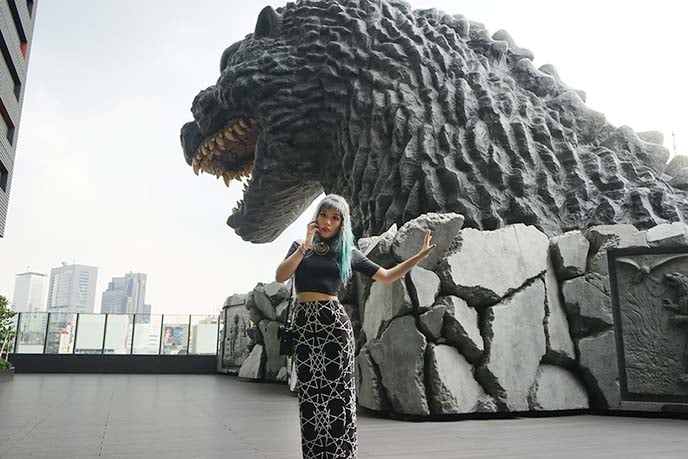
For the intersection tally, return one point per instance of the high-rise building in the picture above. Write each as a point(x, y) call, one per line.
point(16, 29)
point(28, 292)
point(72, 288)
point(115, 297)
point(126, 295)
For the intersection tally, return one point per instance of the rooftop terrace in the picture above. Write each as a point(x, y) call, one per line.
point(61, 416)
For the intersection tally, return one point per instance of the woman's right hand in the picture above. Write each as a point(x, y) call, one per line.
point(311, 231)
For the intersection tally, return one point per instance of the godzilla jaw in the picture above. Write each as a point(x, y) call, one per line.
point(275, 197)
point(272, 198)
point(269, 208)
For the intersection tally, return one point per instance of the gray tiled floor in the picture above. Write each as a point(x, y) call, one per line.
point(207, 416)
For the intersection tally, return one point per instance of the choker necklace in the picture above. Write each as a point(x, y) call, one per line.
point(321, 248)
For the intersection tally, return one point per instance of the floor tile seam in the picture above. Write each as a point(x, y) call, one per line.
point(107, 420)
point(240, 437)
point(47, 414)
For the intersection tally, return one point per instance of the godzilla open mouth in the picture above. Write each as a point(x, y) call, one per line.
point(275, 193)
point(229, 152)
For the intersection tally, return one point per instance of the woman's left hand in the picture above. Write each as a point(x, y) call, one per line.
point(427, 248)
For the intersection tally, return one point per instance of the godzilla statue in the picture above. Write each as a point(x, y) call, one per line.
point(405, 112)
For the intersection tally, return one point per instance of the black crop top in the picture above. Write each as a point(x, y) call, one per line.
point(320, 273)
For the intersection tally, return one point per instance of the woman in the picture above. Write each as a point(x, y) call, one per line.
point(324, 339)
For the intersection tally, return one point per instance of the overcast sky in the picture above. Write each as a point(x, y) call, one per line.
point(99, 177)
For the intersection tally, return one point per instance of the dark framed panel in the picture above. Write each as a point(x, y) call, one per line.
point(649, 289)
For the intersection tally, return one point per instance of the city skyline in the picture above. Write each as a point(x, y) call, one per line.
point(31, 294)
point(100, 177)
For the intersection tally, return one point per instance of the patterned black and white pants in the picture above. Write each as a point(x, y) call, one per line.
point(324, 358)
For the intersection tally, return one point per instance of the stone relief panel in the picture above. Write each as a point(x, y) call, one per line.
point(236, 345)
point(650, 303)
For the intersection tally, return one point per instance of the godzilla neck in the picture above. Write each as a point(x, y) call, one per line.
point(381, 188)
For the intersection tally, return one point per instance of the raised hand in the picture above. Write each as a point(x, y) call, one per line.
point(427, 248)
point(311, 231)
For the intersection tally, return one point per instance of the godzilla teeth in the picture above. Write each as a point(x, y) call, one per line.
point(239, 205)
point(227, 145)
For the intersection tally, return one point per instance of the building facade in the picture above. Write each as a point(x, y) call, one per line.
point(72, 288)
point(28, 292)
point(16, 30)
point(126, 295)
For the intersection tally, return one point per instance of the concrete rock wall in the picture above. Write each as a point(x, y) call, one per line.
point(503, 320)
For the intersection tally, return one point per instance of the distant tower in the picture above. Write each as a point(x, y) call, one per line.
point(126, 295)
point(72, 288)
point(28, 292)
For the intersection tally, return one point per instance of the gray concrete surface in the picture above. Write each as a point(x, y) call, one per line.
point(216, 416)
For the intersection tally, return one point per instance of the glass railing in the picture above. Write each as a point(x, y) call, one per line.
point(85, 333)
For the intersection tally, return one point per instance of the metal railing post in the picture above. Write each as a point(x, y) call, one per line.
point(16, 336)
point(162, 322)
point(76, 330)
point(47, 327)
point(133, 334)
point(188, 337)
point(102, 348)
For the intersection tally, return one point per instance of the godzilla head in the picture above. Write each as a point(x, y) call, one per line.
point(404, 112)
point(265, 120)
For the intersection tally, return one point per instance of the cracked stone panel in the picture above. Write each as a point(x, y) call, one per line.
point(430, 322)
point(361, 285)
point(555, 389)
point(281, 311)
point(255, 316)
point(600, 369)
point(424, 286)
point(450, 381)
point(558, 338)
point(273, 360)
point(569, 253)
point(491, 264)
point(400, 356)
point(370, 392)
point(263, 303)
point(668, 235)
point(254, 365)
point(384, 303)
point(445, 228)
point(460, 328)
point(516, 344)
point(379, 248)
point(276, 292)
point(588, 304)
point(604, 237)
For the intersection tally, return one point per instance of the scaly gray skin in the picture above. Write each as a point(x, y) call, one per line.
point(405, 112)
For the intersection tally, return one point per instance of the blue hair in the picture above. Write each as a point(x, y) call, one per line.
point(344, 240)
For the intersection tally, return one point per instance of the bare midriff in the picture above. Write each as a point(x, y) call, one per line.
point(302, 297)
